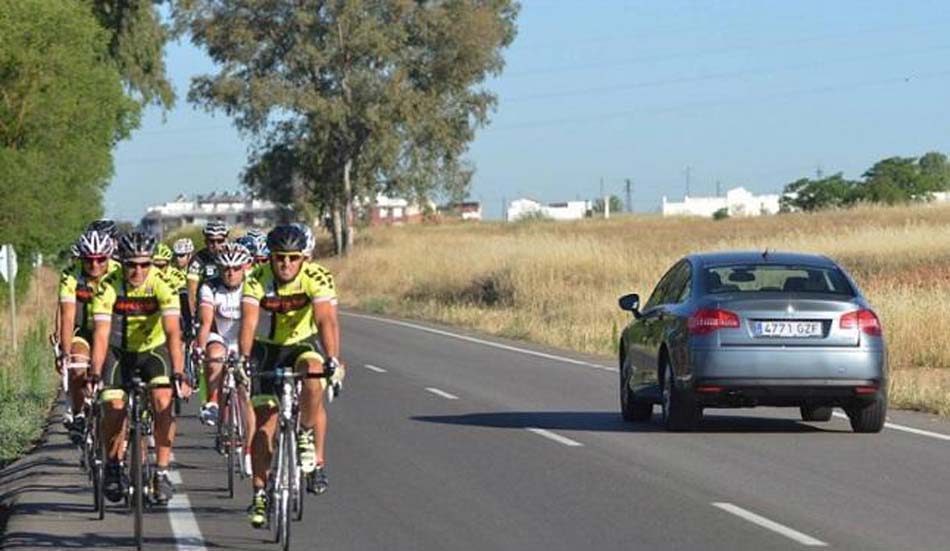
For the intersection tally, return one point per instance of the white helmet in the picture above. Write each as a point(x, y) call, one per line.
point(183, 246)
point(232, 254)
point(311, 242)
point(94, 243)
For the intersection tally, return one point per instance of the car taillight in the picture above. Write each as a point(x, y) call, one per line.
point(865, 320)
point(709, 320)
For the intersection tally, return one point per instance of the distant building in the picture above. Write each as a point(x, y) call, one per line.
point(394, 211)
point(569, 210)
point(232, 208)
point(737, 202)
point(466, 210)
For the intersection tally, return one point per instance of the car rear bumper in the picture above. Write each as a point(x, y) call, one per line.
point(787, 376)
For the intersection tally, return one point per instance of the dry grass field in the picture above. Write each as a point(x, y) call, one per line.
point(557, 282)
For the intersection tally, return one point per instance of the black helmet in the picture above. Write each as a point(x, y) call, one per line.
point(286, 238)
point(104, 225)
point(135, 244)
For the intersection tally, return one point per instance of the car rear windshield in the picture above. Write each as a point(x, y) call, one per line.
point(772, 278)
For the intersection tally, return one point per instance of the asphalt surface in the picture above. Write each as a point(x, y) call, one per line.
point(440, 442)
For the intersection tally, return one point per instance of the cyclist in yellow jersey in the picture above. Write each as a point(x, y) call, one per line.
point(77, 285)
point(289, 318)
point(136, 332)
point(161, 261)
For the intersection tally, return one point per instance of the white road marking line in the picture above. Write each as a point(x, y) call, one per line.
point(184, 524)
point(442, 393)
point(745, 514)
point(904, 428)
point(484, 342)
point(374, 368)
point(555, 436)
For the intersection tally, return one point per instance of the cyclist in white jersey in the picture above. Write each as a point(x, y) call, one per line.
point(219, 314)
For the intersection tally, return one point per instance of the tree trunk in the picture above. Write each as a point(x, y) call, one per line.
point(337, 218)
point(348, 229)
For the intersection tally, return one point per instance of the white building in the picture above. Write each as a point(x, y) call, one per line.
point(232, 208)
point(737, 202)
point(570, 210)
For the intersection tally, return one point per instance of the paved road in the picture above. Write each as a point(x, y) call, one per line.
point(443, 442)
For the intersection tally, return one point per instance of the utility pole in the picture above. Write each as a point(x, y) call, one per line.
point(718, 188)
point(604, 199)
point(504, 209)
point(629, 183)
point(688, 170)
point(818, 172)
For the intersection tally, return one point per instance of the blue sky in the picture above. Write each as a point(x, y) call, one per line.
point(754, 93)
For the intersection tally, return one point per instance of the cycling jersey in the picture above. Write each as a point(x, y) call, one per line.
point(75, 287)
point(227, 308)
point(175, 277)
point(286, 316)
point(202, 266)
point(136, 312)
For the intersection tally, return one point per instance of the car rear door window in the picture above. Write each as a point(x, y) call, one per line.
point(765, 278)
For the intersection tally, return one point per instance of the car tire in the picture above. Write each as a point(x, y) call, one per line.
point(632, 409)
point(679, 409)
point(819, 414)
point(868, 418)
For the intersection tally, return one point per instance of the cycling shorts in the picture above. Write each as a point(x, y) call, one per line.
point(152, 366)
point(267, 357)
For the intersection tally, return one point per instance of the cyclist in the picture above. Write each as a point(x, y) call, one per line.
point(289, 318)
point(202, 265)
point(250, 243)
point(183, 249)
point(219, 318)
point(161, 260)
point(136, 332)
point(77, 285)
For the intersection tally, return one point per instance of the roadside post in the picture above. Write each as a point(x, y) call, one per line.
point(8, 271)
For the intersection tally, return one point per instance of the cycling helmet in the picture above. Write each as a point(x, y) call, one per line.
point(104, 225)
point(287, 238)
point(255, 233)
point(74, 250)
point(216, 228)
point(184, 246)
point(262, 249)
point(135, 244)
point(232, 254)
point(94, 243)
point(162, 252)
point(308, 248)
point(249, 243)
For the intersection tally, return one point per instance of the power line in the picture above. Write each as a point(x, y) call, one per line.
point(714, 103)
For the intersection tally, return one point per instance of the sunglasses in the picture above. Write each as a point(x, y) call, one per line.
point(232, 268)
point(95, 259)
point(137, 265)
point(160, 264)
point(288, 257)
point(181, 255)
point(215, 241)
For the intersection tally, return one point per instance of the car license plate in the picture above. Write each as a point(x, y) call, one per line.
point(787, 329)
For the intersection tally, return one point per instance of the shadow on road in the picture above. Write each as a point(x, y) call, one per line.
point(36, 540)
point(610, 421)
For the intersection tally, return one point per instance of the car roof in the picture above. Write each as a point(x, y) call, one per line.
point(760, 257)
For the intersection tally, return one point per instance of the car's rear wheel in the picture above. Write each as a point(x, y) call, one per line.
point(869, 417)
point(679, 409)
point(632, 408)
point(819, 414)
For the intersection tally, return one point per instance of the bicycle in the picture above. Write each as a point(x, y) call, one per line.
point(285, 485)
point(231, 429)
point(139, 414)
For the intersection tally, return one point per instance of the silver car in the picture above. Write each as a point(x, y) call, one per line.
point(745, 329)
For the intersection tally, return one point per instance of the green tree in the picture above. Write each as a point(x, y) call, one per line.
point(62, 108)
point(616, 205)
point(935, 170)
point(809, 195)
point(349, 98)
point(137, 40)
point(894, 180)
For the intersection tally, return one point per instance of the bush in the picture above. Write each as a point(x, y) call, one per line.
point(27, 386)
point(721, 214)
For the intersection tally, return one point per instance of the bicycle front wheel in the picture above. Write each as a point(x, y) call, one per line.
point(138, 490)
point(288, 490)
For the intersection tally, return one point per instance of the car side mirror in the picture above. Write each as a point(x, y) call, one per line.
point(630, 303)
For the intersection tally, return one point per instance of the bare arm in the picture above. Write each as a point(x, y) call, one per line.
point(250, 312)
point(67, 316)
point(100, 344)
point(325, 312)
point(192, 295)
point(206, 319)
point(172, 326)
